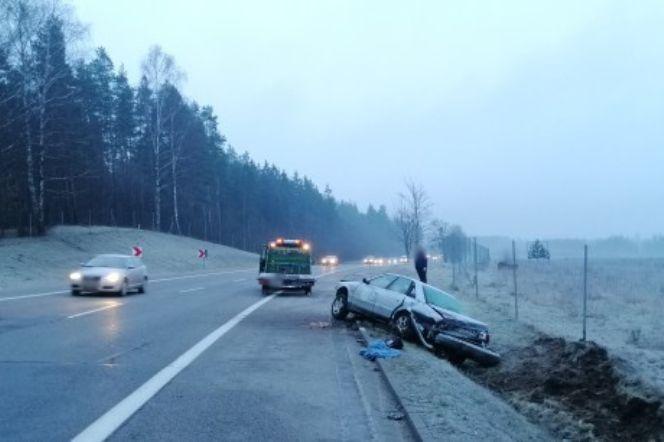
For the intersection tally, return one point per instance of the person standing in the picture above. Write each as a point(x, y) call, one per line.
point(421, 264)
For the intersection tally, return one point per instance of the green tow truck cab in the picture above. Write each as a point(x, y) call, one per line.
point(285, 265)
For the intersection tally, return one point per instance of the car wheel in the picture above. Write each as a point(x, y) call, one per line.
point(265, 290)
point(340, 306)
point(143, 287)
point(403, 325)
point(307, 291)
point(76, 293)
point(123, 289)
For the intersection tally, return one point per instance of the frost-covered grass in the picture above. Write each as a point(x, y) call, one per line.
point(625, 305)
point(46, 260)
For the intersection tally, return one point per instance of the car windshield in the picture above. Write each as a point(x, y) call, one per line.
point(115, 262)
point(441, 299)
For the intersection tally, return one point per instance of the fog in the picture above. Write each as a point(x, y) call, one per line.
point(519, 118)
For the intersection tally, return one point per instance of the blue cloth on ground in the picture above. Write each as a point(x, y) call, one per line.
point(379, 349)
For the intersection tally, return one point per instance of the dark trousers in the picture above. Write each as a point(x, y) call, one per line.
point(422, 274)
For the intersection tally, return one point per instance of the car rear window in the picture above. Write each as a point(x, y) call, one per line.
point(441, 299)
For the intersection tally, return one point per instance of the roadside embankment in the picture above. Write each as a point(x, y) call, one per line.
point(46, 261)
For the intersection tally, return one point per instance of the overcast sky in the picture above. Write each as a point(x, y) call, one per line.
point(525, 118)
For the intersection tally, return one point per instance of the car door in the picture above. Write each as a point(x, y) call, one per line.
point(366, 292)
point(389, 298)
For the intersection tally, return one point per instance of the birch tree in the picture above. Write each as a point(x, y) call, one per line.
point(159, 70)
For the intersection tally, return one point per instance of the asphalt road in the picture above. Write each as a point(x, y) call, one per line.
point(199, 357)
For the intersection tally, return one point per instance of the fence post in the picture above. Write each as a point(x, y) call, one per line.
point(585, 289)
point(516, 298)
point(477, 289)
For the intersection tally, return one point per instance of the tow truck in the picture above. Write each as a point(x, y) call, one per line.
point(285, 264)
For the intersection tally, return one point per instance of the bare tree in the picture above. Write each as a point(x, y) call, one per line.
point(159, 70)
point(24, 29)
point(412, 215)
point(405, 230)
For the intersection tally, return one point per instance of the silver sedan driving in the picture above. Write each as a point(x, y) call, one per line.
point(110, 274)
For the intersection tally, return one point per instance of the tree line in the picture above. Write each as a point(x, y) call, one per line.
point(79, 144)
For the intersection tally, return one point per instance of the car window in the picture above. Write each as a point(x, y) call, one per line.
point(441, 299)
point(382, 281)
point(116, 262)
point(402, 285)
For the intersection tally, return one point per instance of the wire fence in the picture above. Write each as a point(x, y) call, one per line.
point(615, 301)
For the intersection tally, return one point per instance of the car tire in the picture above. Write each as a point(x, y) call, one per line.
point(339, 307)
point(76, 293)
point(307, 291)
point(265, 290)
point(403, 325)
point(123, 288)
point(143, 287)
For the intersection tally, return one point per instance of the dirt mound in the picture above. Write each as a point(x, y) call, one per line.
point(579, 379)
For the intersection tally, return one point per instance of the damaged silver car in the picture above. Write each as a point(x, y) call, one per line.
point(417, 311)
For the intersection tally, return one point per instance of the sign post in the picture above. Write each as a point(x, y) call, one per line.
point(477, 288)
point(203, 254)
point(516, 298)
point(585, 289)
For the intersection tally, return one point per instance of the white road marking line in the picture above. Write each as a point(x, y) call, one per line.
point(106, 425)
point(35, 295)
point(60, 292)
point(89, 312)
point(195, 289)
point(240, 280)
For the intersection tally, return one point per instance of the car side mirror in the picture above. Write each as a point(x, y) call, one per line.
point(130, 267)
point(365, 280)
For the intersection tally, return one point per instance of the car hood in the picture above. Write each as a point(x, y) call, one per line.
point(458, 317)
point(352, 285)
point(100, 271)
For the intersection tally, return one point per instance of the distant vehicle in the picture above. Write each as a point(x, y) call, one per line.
point(285, 264)
point(403, 259)
point(369, 260)
point(393, 261)
point(379, 261)
point(329, 260)
point(110, 274)
point(417, 310)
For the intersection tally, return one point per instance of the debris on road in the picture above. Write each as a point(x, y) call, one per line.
point(396, 416)
point(379, 349)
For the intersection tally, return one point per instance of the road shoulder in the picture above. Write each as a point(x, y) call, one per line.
point(442, 403)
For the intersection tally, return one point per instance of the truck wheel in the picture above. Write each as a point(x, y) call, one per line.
point(340, 306)
point(403, 325)
point(307, 291)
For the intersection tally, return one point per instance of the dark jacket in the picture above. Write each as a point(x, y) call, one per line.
point(420, 261)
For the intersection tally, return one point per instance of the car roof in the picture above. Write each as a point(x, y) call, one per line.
point(401, 276)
